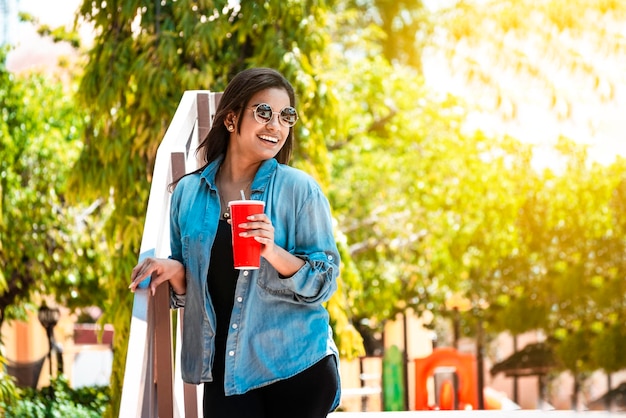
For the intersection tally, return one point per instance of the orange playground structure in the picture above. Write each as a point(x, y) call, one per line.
point(457, 387)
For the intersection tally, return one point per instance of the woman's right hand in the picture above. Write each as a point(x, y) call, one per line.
point(161, 270)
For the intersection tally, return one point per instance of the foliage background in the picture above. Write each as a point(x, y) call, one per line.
point(431, 203)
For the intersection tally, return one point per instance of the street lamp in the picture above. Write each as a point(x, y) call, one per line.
point(457, 303)
point(49, 317)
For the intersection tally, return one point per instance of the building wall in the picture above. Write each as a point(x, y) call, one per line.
point(27, 341)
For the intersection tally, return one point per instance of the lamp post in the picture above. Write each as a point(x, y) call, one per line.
point(480, 363)
point(479, 308)
point(457, 303)
point(49, 317)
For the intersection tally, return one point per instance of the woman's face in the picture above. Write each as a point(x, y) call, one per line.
point(256, 141)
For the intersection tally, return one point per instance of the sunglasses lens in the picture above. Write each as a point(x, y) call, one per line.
point(263, 113)
point(289, 116)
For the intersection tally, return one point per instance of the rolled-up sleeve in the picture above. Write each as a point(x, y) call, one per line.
point(316, 280)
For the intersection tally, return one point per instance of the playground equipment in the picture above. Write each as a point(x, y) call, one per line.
point(455, 383)
point(393, 379)
point(456, 389)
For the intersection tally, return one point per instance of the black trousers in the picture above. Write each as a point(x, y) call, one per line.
point(309, 394)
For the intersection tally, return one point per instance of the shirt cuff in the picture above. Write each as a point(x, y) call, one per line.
point(176, 300)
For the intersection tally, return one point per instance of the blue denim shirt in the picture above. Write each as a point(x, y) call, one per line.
point(278, 326)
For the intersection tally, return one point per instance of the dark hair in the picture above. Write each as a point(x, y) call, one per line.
point(235, 99)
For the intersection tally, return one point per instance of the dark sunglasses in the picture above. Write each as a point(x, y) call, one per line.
point(263, 113)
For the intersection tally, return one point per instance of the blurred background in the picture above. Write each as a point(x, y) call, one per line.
point(472, 152)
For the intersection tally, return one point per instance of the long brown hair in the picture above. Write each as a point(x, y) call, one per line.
point(235, 99)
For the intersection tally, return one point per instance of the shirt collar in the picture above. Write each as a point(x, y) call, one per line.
point(261, 178)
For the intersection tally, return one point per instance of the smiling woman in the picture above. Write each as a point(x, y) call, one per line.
point(266, 348)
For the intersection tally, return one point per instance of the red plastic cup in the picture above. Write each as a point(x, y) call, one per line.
point(246, 250)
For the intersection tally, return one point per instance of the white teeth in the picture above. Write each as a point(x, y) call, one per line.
point(269, 138)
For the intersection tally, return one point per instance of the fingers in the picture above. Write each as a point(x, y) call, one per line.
point(138, 274)
point(260, 221)
point(261, 229)
point(258, 226)
point(159, 270)
point(147, 268)
point(141, 270)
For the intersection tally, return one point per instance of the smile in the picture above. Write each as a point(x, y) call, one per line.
point(269, 138)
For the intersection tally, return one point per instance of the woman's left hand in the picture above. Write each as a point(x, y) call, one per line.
point(261, 229)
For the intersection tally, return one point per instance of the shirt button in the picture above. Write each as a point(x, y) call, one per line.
point(234, 326)
point(245, 273)
point(239, 299)
point(231, 353)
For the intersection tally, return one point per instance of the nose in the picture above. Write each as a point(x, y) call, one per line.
point(274, 122)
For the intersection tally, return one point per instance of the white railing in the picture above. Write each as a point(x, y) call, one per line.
point(152, 383)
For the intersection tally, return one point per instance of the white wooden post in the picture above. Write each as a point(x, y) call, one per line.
point(152, 383)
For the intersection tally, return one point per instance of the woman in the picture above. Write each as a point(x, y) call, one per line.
point(259, 340)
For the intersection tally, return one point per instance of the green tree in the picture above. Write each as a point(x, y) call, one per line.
point(422, 203)
point(562, 279)
point(47, 245)
point(524, 243)
point(396, 29)
point(495, 46)
point(609, 313)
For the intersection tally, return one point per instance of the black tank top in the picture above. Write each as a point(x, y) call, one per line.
point(221, 282)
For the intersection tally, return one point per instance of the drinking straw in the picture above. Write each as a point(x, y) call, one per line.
point(243, 195)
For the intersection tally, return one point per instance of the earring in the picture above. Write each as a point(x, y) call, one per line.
point(231, 128)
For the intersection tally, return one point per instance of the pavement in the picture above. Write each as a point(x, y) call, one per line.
point(521, 413)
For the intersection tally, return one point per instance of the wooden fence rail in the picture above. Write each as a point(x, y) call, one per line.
point(152, 381)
